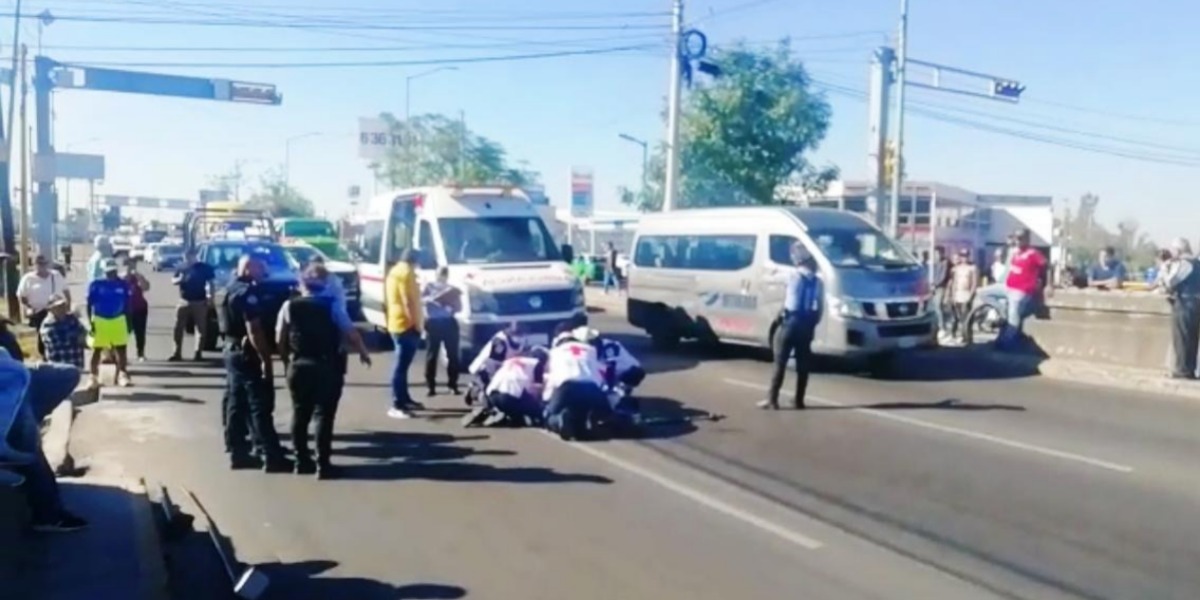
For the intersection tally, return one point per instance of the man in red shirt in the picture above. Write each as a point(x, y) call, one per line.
point(1026, 278)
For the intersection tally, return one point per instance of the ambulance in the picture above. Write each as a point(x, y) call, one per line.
point(498, 250)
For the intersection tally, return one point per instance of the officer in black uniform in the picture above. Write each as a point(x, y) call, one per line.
point(251, 392)
point(309, 334)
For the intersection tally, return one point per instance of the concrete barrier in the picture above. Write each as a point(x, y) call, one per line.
point(1122, 329)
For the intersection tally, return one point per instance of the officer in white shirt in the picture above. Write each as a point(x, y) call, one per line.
point(574, 384)
point(514, 392)
point(506, 344)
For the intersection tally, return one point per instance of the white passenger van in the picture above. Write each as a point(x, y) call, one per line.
point(498, 250)
point(718, 275)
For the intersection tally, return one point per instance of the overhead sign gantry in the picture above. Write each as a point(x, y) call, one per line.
point(50, 75)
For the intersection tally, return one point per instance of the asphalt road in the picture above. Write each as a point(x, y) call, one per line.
point(942, 488)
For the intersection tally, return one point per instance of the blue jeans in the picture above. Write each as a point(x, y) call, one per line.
point(610, 280)
point(1019, 305)
point(406, 350)
point(49, 385)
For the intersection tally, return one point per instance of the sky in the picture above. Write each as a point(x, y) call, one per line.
point(1108, 106)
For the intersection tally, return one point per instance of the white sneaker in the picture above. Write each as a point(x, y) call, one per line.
point(124, 381)
point(399, 413)
point(93, 382)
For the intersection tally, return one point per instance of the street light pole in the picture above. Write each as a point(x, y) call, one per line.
point(645, 157)
point(674, 93)
point(408, 88)
point(287, 154)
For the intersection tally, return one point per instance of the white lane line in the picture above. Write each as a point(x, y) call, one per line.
point(967, 433)
point(700, 497)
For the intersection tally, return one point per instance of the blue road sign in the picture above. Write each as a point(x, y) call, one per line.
point(1007, 89)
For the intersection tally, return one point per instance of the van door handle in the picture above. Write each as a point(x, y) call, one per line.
point(745, 286)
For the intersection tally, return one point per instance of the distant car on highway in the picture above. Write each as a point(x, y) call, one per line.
point(281, 282)
point(304, 253)
point(164, 256)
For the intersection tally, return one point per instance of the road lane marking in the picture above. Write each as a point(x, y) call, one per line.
point(700, 497)
point(967, 433)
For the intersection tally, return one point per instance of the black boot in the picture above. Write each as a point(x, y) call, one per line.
point(277, 463)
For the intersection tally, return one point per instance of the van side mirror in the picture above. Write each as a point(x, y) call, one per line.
point(568, 253)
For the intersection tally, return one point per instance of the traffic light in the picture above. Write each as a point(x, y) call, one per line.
point(889, 165)
point(1007, 89)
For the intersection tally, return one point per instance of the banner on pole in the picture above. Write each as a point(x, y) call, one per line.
point(582, 188)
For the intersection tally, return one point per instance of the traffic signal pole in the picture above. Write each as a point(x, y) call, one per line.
point(888, 63)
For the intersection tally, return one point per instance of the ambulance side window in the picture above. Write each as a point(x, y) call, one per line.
point(425, 243)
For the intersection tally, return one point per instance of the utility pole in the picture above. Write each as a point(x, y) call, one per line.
point(901, 75)
point(877, 138)
point(7, 227)
point(24, 171)
point(674, 100)
point(462, 146)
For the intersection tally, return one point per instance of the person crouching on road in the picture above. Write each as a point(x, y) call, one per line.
point(802, 304)
point(574, 384)
point(107, 307)
point(507, 343)
point(622, 374)
point(309, 335)
point(514, 393)
point(251, 393)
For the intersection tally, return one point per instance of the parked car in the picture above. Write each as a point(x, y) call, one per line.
point(281, 282)
point(303, 253)
point(164, 256)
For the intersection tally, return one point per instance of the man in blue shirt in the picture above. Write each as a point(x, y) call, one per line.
point(802, 305)
point(107, 303)
point(1109, 273)
point(194, 279)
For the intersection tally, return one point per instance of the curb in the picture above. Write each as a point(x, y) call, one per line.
point(152, 564)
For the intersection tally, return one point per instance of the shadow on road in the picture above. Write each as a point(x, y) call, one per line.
point(435, 457)
point(947, 404)
point(149, 397)
point(303, 581)
point(666, 418)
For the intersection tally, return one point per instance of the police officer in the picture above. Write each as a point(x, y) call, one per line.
point(251, 391)
point(309, 335)
point(802, 304)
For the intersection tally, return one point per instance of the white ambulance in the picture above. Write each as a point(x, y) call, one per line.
point(498, 250)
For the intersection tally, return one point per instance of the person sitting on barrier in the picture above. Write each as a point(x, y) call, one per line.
point(574, 387)
point(34, 392)
point(513, 396)
point(506, 344)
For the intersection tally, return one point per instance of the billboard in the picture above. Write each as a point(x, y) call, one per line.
point(582, 197)
point(375, 138)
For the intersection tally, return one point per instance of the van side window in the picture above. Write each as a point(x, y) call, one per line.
point(403, 224)
point(425, 242)
point(696, 252)
point(781, 249)
point(370, 243)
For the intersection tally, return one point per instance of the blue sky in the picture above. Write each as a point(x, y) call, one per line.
point(1098, 74)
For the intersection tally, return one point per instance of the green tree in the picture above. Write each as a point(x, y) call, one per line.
point(438, 149)
point(280, 198)
point(746, 134)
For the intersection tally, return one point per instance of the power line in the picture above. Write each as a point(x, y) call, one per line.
point(295, 24)
point(1160, 158)
point(343, 10)
point(380, 63)
point(421, 47)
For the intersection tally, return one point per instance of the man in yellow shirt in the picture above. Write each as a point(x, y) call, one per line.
point(402, 298)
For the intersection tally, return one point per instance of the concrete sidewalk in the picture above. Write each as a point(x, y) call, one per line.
point(981, 354)
point(118, 556)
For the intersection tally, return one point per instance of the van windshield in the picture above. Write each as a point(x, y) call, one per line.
point(496, 240)
point(862, 248)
